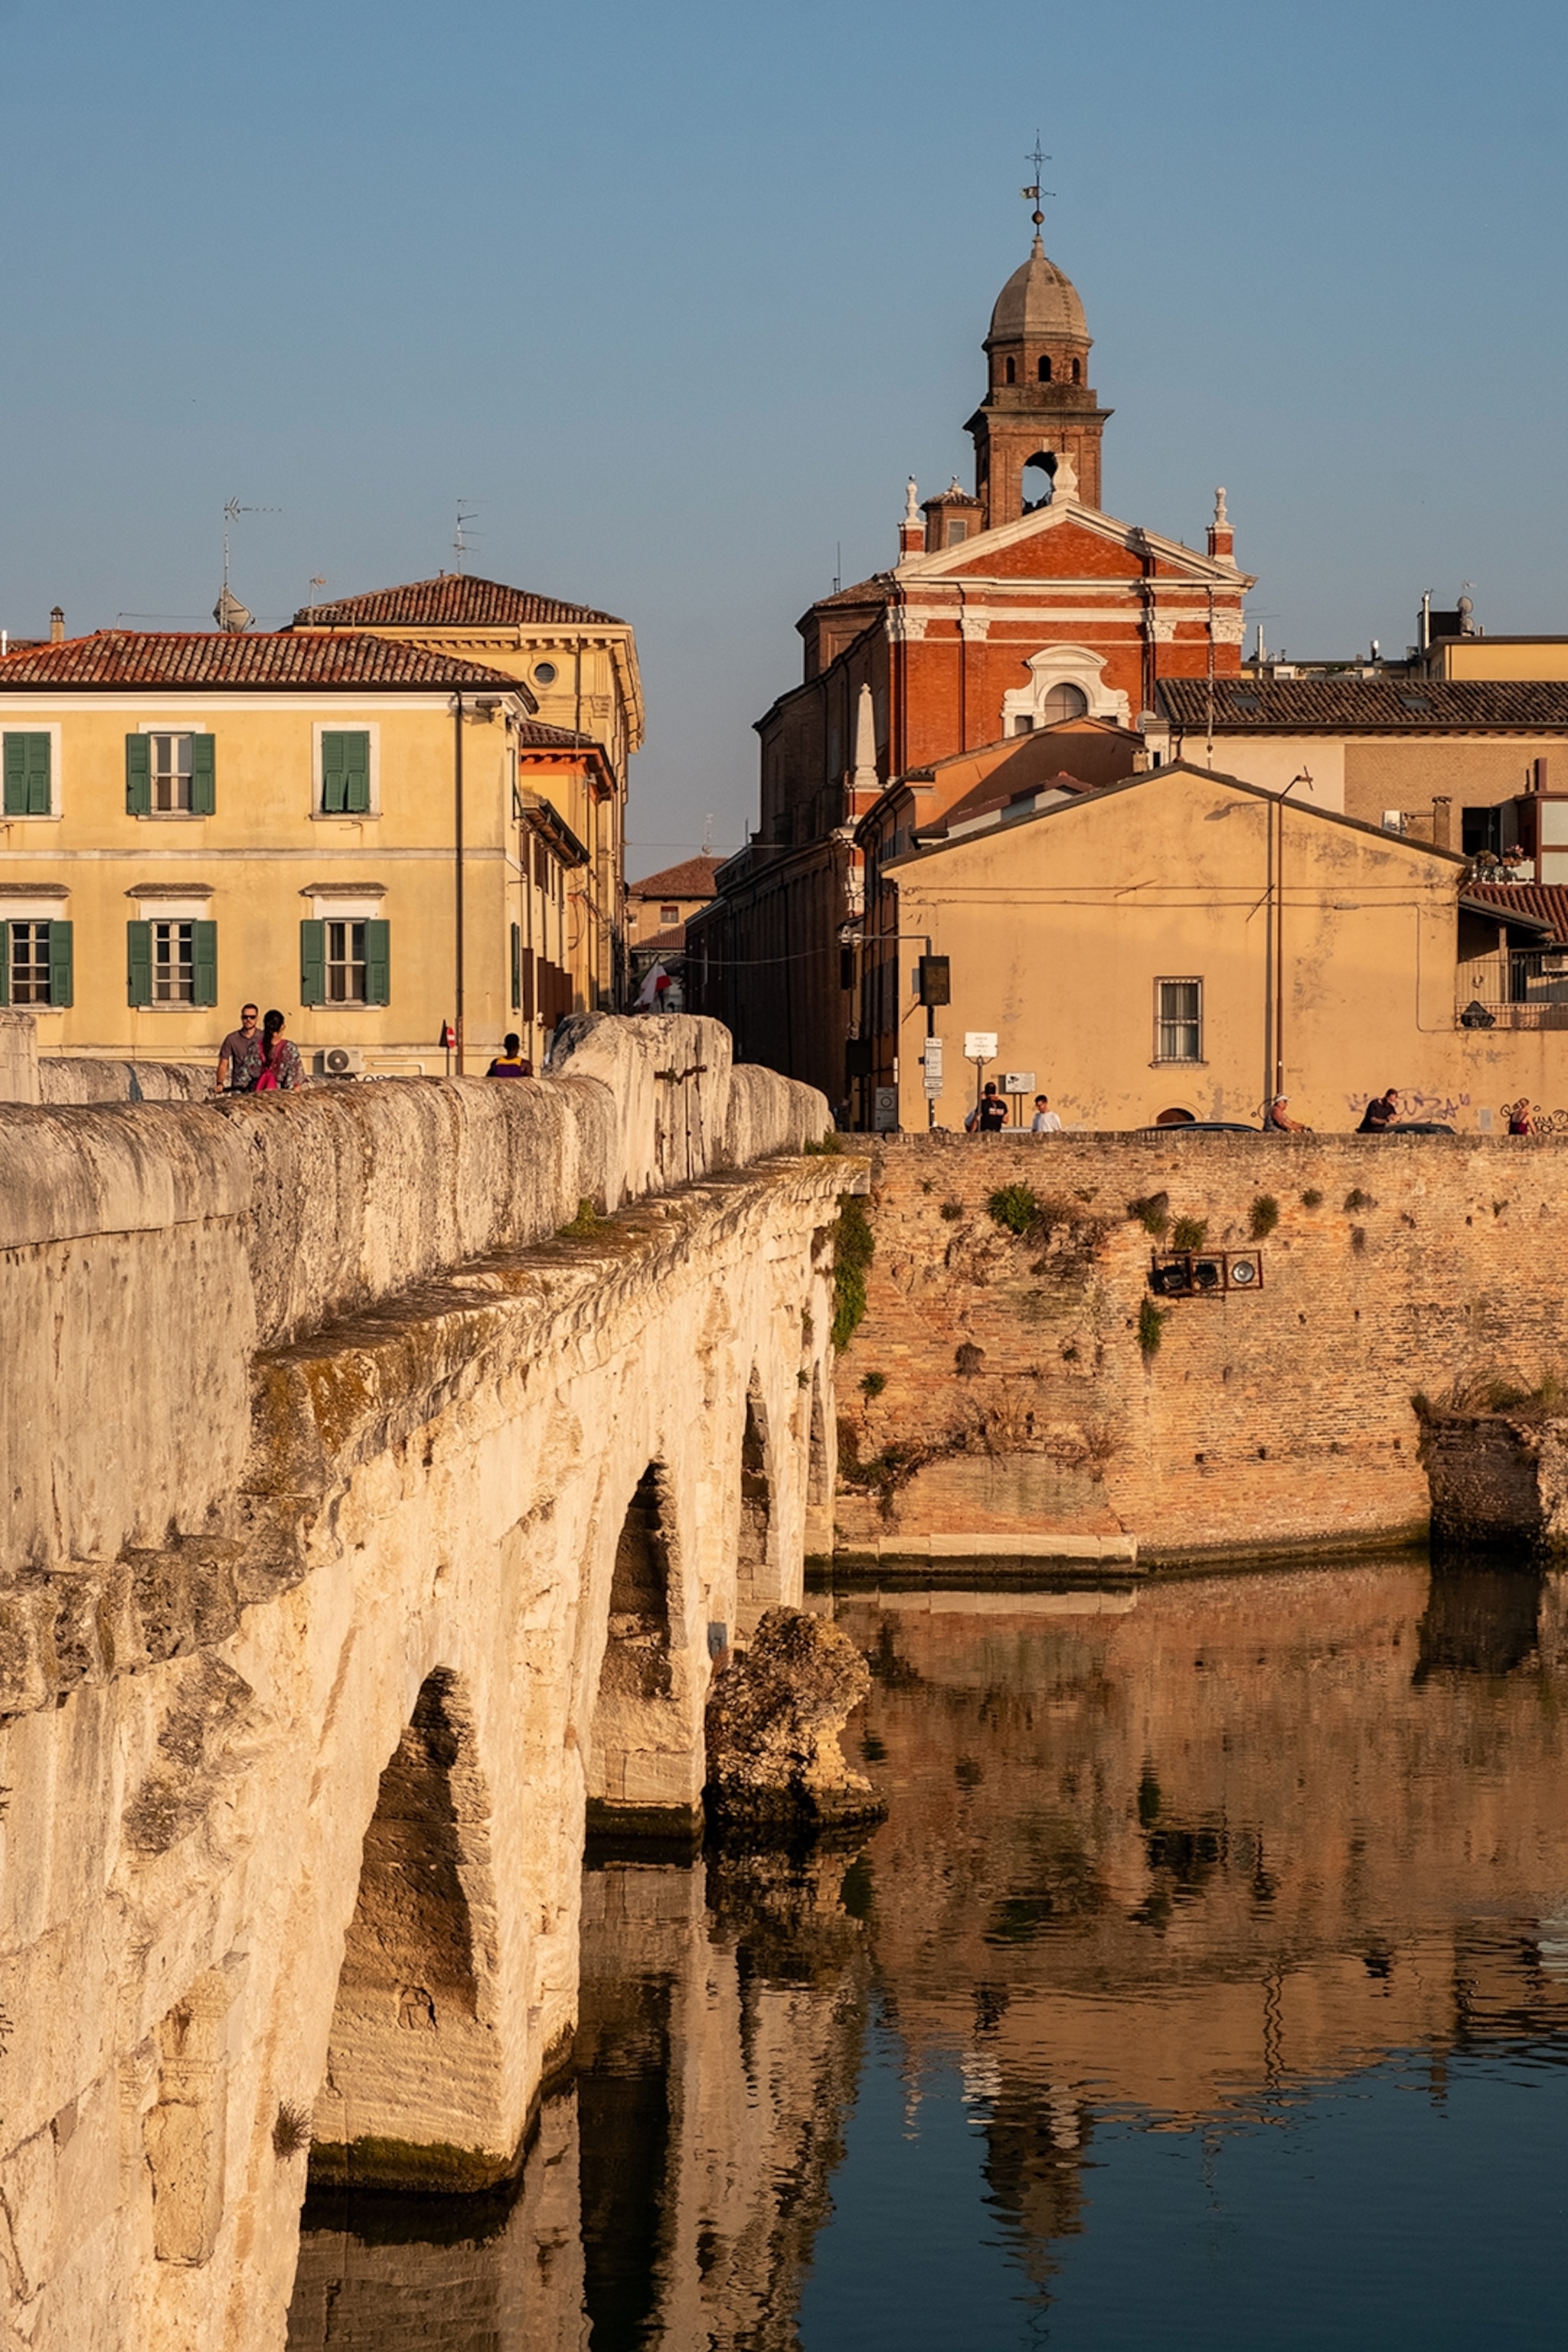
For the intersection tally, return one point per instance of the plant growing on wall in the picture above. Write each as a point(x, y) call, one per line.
point(854, 1247)
point(1016, 1207)
point(873, 1384)
point(1189, 1233)
point(1151, 1326)
point(1152, 1214)
point(1265, 1217)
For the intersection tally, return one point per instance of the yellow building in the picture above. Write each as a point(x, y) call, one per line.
point(192, 822)
point(581, 668)
point(1184, 945)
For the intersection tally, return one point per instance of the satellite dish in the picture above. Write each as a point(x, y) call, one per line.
point(231, 615)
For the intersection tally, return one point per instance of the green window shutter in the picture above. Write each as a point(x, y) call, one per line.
point(4, 964)
point(312, 964)
point(61, 963)
point(378, 963)
point(516, 966)
point(204, 775)
point(345, 774)
point(27, 775)
point(138, 778)
point(203, 964)
point(139, 963)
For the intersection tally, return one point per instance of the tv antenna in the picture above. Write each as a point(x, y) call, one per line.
point(228, 612)
point(1034, 191)
point(463, 538)
point(317, 579)
point(708, 835)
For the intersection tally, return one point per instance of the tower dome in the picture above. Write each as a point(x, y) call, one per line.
point(1038, 300)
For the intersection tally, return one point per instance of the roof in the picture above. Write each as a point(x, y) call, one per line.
point(148, 657)
point(692, 878)
point(1296, 705)
point(1038, 299)
point(453, 599)
point(1540, 902)
point(875, 590)
point(533, 735)
point(1091, 798)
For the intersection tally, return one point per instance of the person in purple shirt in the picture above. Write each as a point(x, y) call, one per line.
point(510, 1063)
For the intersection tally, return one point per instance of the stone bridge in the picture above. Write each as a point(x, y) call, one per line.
point(383, 1471)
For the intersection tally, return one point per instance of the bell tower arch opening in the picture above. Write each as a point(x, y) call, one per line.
point(1039, 398)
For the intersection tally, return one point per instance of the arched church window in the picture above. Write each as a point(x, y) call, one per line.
point(1077, 372)
point(1045, 367)
point(1064, 701)
point(1011, 371)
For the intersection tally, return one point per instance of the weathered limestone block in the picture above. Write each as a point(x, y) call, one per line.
point(85, 1079)
point(18, 1057)
point(774, 1764)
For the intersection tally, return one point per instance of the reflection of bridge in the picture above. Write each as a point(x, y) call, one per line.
point(375, 1505)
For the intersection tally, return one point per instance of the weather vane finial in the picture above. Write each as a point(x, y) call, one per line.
point(1034, 191)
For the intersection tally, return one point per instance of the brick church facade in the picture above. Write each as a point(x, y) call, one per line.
point(1011, 609)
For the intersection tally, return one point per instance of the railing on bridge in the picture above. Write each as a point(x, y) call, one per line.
point(1514, 990)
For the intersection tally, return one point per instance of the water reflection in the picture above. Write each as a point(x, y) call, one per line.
point(1233, 1863)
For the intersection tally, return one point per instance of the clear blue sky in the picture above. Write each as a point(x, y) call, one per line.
point(678, 294)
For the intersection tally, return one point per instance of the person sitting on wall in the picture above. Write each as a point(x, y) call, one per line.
point(1520, 1118)
point(989, 1115)
point(1276, 1119)
point(1045, 1121)
point(511, 1062)
point(1380, 1113)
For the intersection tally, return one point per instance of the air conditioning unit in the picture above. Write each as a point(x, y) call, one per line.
point(1394, 820)
point(340, 1062)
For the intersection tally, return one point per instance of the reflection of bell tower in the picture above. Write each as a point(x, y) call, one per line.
point(1039, 407)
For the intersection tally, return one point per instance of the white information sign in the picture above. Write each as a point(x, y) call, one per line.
point(980, 1044)
point(932, 1062)
point(1019, 1082)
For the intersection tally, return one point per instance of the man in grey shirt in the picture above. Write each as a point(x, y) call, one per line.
point(239, 1056)
point(1045, 1121)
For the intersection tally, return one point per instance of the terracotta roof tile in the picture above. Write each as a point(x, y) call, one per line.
point(692, 878)
point(875, 590)
point(1247, 705)
point(453, 599)
point(137, 658)
point(1547, 901)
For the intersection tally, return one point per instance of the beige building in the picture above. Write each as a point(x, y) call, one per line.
point(580, 669)
point(660, 906)
point(1183, 944)
point(192, 821)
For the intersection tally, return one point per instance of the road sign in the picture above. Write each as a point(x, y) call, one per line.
point(884, 1111)
point(980, 1044)
point(930, 1061)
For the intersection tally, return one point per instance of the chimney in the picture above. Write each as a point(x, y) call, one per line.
point(912, 530)
point(56, 624)
point(1442, 825)
point(1222, 539)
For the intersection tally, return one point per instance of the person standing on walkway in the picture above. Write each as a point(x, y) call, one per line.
point(281, 1070)
point(510, 1062)
point(239, 1056)
point(1380, 1113)
point(989, 1115)
point(1045, 1121)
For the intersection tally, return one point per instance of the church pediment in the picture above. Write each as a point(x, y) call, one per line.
point(1069, 541)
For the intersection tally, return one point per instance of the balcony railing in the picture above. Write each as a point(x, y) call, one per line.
point(1521, 991)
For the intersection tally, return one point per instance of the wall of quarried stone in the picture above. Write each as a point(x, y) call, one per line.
point(1016, 1407)
point(311, 1410)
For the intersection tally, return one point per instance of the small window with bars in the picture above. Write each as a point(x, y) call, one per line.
point(1178, 1019)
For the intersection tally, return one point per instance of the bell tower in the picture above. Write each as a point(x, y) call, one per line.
point(1039, 407)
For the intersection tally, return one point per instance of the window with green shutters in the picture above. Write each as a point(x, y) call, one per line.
point(345, 963)
point(28, 774)
point(171, 964)
point(170, 774)
point(138, 779)
point(517, 967)
point(35, 963)
point(345, 773)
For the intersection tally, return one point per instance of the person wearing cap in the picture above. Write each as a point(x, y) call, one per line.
point(1276, 1119)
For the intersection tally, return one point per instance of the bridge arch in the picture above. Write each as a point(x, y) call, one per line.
point(415, 2065)
point(641, 1768)
point(757, 1585)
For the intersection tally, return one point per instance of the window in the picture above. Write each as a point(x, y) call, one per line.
point(1077, 372)
point(345, 961)
point(1045, 368)
point(545, 672)
point(29, 779)
point(1179, 1020)
point(1011, 372)
point(957, 529)
point(170, 774)
point(1481, 831)
point(172, 962)
point(35, 962)
point(345, 773)
point(1064, 701)
point(668, 916)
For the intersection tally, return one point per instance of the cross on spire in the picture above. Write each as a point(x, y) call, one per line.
point(1034, 191)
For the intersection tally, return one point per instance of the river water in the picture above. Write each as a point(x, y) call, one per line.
point(1206, 1985)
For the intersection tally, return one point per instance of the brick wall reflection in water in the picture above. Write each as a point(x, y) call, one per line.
point(1178, 1851)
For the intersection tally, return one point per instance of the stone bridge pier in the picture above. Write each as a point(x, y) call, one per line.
point(386, 1471)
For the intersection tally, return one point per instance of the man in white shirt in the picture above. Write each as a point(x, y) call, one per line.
point(1045, 1121)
